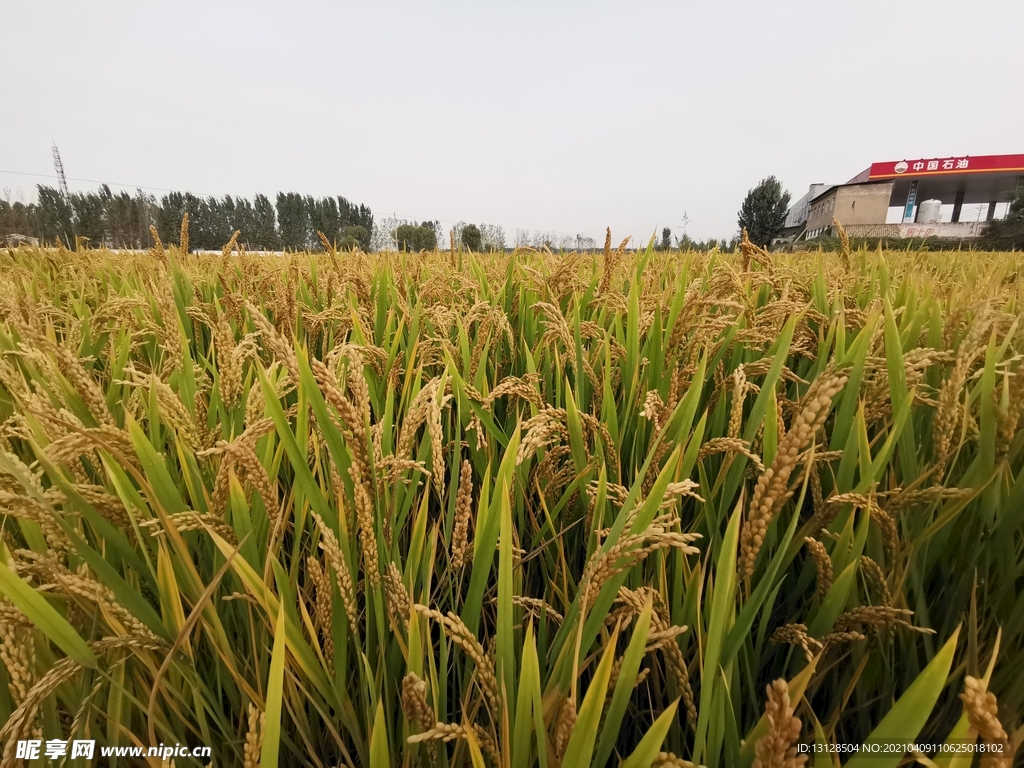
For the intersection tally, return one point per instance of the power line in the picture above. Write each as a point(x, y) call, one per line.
point(87, 181)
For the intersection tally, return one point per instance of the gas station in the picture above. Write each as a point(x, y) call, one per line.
point(979, 183)
point(925, 197)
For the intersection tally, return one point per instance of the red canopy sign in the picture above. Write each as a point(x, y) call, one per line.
point(941, 166)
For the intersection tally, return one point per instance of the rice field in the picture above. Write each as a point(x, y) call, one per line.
point(523, 509)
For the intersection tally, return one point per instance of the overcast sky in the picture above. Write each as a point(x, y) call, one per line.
point(554, 115)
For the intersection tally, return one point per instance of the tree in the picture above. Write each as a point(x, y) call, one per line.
point(416, 237)
point(264, 232)
point(352, 215)
point(227, 214)
point(205, 226)
point(292, 221)
point(123, 221)
point(440, 234)
point(764, 211)
point(7, 223)
point(324, 217)
point(471, 238)
point(19, 218)
point(666, 238)
point(355, 236)
point(243, 220)
point(119, 218)
point(439, 240)
point(1007, 234)
point(493, 237)
point(54, 216)
point(168, 218)
point(88, 210)
point(26, 217)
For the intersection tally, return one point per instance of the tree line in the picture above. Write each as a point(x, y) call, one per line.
point(121, 220)
point(291, 222)
point(428, 235)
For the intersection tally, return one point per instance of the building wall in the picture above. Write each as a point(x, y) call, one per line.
point(852, 205)
point(943, 229)
point(819, 217)
point(797, 214)
point(863, 204)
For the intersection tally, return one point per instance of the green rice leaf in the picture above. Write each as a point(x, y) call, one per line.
point(45, 617)
point(910, 713)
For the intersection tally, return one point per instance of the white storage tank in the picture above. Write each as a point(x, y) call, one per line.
point(929, 212)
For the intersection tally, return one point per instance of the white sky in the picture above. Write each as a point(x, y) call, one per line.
point(554, 115)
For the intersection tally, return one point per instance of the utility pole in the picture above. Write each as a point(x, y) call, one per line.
point(62, 183)
point(58, 166)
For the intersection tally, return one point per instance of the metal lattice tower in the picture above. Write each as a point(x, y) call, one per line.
point(58, 166)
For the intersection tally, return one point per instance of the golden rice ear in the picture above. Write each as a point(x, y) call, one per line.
point(158, 246)
point(183, 237)
point(231, 244)
point(257, 722)
point(463, 515)
point(773, 486)
point(328, 246)
point(776, 749)
point(982, 712)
